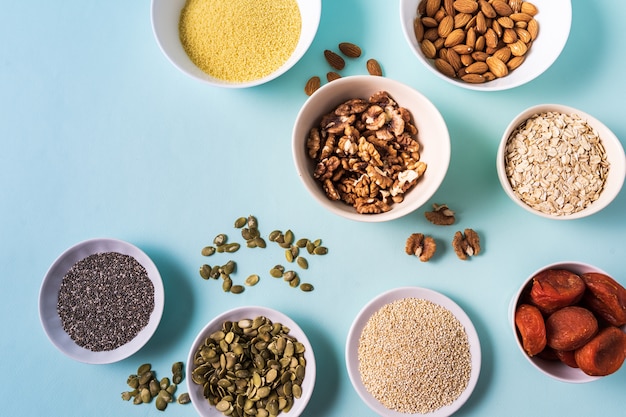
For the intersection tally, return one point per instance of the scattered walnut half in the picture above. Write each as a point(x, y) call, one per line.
point(466, 245)
point(441, 215)
point(423, 247)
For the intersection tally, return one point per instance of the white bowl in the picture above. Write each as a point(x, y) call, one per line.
point(165, 15)
point(198, 400)
point(614, 153)
point(352, 346)
point(552, 368)
point(433, 137)
point(49, 294)
point(554, 18)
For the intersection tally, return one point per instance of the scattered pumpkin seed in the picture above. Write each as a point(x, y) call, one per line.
point(274, 235)
point(306, 287)
point(227, 284)
point(253, 222)
point(240, 222)
point(231, 247)
point(294, 282)
point(301, 243)
point(259, 242)
point(184, 398)
point(126, 396)
point(208, 250)
point(320, 250)
point(288, 255)
point(302, 262)
point(277, 271)
point(146, 367)
point(289, 237)
point(252, 280)
point(237, 289)
point(161, 404)
point(220, 239)
point(289, 275)
point(205, 271)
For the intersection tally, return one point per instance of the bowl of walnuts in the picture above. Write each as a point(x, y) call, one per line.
point(569, 321)
point(486, 45)
point(369, 148)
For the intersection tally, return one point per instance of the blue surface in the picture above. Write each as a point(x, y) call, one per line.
point(103, 137)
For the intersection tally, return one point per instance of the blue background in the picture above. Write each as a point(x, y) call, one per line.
point(102, 137)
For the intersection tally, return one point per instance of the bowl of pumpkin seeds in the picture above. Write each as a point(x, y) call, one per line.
point(250, 361)
point(370, 148)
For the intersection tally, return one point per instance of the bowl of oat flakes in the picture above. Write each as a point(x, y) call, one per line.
point(560, 163)
point(489, 45)
point(230, 44)
point(370, 148)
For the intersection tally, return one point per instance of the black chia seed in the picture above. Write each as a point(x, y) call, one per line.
point(105, 300)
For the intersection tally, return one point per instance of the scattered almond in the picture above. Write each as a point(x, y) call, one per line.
point(350, 50)
point(335, 60)
point(312, 85)
point(465, 6)
point(332, 76)
point(373, 67)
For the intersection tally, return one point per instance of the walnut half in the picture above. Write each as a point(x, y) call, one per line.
point(466, 245)
point(423, 247)
point(441, 215)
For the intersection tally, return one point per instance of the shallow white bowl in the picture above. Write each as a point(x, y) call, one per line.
point(352, 346)
point(200, 403)
point(555, 20)
point(433, 137)
point(165, 15)
point(49, 295)
point(553, 369)
point(614, 152)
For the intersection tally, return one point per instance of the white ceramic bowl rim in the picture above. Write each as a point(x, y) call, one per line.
point(433, 136)
point(352, 343)
point(553, 369)
point(195, 391)
point(165, 16)
point(49, 291)
point(614, 151)
point(554, 18)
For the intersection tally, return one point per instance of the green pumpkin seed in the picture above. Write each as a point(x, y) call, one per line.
point(229, 267)
point(277, 271)
point(320, 250)
point(220, 239)
point(294, 282)
point(126, 396)
point(237, 289)
point(274, 235)
point(288, 255)
point(306, 287)
point(137, 400)
point(302, 262)
point(231, 247)
point(208, 250)
point(161, 404)
point(240, 222)
point(172, 388)
point(154, 387)
point(289, 237)
point(205, 271)
point(145, 395)
point(252, 280)
point(289, 275)
point(146, 367)
point(227, 285)
point(177, 367)
point(223, 406)
point(259, 242)
point(184, 398)
point(253, 222)
point(133, 381)
point(301, 243)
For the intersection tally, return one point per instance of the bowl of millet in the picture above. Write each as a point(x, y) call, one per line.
point(235, 43)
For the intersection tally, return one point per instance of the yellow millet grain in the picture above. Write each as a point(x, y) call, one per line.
point(240, 40)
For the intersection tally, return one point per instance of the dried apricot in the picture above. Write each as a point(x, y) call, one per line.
point(604, 354)
point(531, 327)
point(567, 357)
point(605, 297)
point(556, 288)
point(570, 328)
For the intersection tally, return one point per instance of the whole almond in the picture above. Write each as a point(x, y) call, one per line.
point(509, 35)
point(473, 78)
point(350, 50)
point(470, 38)
point(334, 60)
point(461, 19)
point(515, 62)
point(465, 6)
point(478, 67)
point(487, 9)
point(373, 67)
point(432, 6)
point(520, 17)
point(523, 35)
point(497, 67)
point(480, 56)
point(518, 48)
point(454, 59)
point(428, 49)
point(418, 29)
point(448, 6)
point(332, 76)
point(533, 28)
point(462, 49)
point(529, 8)
point(445, 68)
point(491, 38)
point(312, 85)
point(501, 7)
point(455, 37)
point(445, 26)
point(481, 23)
point(503, 54)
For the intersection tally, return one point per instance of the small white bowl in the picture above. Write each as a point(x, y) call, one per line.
point(614, 153)
point(49, 294)
point(165, 15)
point(432, 134)
point(555, 20)
point(198, 400)
point(554, 369)
point(352, 347)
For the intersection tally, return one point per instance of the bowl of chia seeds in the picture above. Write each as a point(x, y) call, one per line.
point(413, 351)
point(101, 301)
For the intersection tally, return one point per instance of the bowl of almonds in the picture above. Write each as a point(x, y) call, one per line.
point(370, 148)
point(486, 45)
point(560, 163)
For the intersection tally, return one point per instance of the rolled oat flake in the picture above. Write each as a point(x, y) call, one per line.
point(105, 300)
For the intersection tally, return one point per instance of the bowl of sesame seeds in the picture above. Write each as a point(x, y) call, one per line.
point(101, 301)
point(560, 163)
point(234, 43)
point(412, 351)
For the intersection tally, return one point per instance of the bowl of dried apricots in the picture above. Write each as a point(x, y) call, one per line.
point(569, 321)
point(486, 45)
